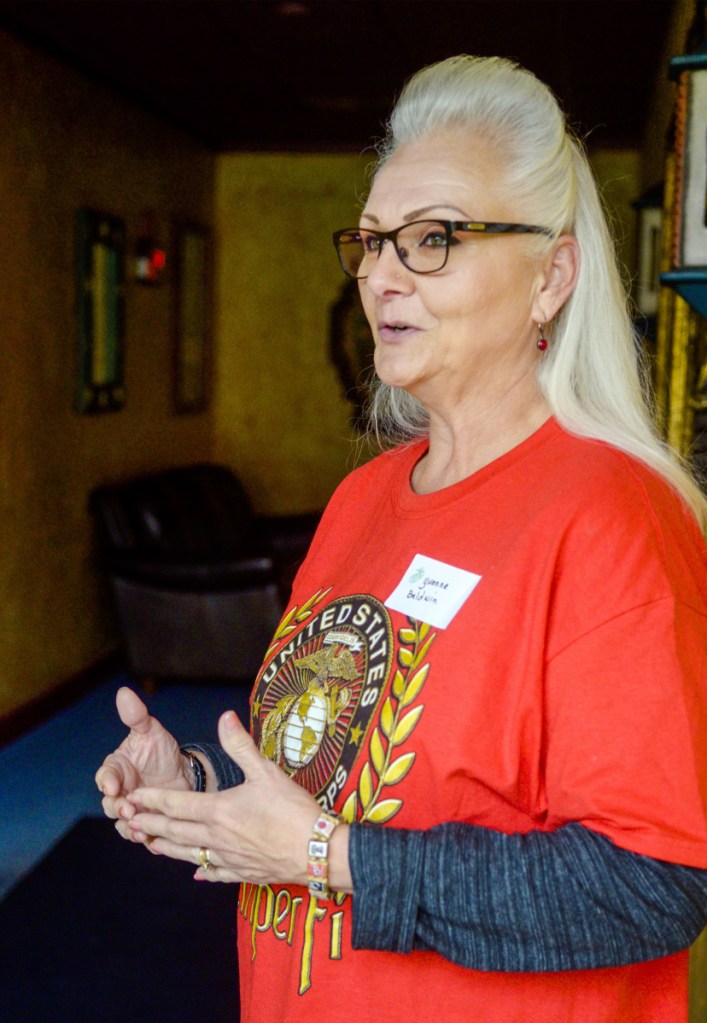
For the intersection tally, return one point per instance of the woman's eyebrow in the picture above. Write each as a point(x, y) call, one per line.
point(435, 206)
point(415, 214)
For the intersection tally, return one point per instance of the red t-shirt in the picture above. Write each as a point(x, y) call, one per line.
point(568, 684)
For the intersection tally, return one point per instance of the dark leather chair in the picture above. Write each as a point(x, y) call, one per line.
point(199, 581)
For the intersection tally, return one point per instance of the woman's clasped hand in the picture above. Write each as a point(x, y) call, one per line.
point(148, 756)
point(257, 832)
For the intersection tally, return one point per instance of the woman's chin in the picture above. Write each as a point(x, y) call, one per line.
point(396, 372)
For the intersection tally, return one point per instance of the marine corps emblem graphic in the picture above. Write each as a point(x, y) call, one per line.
point(336, 706)
point(316, 697)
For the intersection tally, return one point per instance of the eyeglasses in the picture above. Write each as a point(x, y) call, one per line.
point(422, 246)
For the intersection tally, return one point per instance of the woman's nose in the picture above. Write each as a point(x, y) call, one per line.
point(388, 273)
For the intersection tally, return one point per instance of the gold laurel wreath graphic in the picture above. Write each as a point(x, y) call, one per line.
point(291, 619)
point(396, 726)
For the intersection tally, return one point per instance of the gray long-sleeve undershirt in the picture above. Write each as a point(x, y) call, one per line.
point(544, 901)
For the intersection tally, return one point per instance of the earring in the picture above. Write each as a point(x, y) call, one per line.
point(542, 340)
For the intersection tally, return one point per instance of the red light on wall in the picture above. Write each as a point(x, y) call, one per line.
point(150, 258)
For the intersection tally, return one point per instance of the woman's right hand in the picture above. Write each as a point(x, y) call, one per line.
point(148, 756)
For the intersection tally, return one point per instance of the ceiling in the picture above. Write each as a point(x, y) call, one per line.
point(252, 74)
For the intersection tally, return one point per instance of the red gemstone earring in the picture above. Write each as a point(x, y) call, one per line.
point(542, 340)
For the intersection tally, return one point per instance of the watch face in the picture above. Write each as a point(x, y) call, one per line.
point(351, 347)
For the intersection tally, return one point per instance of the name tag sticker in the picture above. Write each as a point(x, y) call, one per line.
point(431, 591)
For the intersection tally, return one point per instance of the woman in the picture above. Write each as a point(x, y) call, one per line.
point(491, 674)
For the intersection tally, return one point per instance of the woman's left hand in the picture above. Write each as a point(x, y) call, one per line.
point(257, 832)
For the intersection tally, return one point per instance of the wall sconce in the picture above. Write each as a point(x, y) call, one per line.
point(150, 258)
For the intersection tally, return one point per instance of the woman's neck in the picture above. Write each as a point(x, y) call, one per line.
point(460, 445)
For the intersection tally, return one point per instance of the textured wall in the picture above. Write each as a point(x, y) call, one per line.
point(618, 174)
point(281, 416)
point(67, 143)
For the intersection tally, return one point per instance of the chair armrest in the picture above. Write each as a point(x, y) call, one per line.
point(241, 574)
point(288, 536)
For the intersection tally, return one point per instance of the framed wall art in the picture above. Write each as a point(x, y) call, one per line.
point(192, 318)
point(649, 208)
point(681, 347)
point(688, 273)
point(691, 145)
point(100, 282)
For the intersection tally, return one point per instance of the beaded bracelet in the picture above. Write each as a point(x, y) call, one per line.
point(197, 769)
point(318, 865)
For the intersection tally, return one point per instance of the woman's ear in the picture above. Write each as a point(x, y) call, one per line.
point(558, 279)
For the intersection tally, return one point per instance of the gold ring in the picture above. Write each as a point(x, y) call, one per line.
point(204, 858)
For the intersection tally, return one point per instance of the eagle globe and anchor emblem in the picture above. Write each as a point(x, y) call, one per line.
point(295, 727)
point(324, 689)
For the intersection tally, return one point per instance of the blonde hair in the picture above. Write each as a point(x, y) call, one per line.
point(592, 375)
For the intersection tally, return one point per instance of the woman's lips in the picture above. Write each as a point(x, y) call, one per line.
point(395, 331)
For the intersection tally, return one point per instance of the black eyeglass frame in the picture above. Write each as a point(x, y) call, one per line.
point(450, 226)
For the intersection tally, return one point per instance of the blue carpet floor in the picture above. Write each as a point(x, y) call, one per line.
point(47, 775)
point(100, 932)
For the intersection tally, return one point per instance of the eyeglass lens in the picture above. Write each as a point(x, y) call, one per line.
point(422, 247)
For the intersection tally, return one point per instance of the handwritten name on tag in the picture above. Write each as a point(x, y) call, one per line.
point(432, 591)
